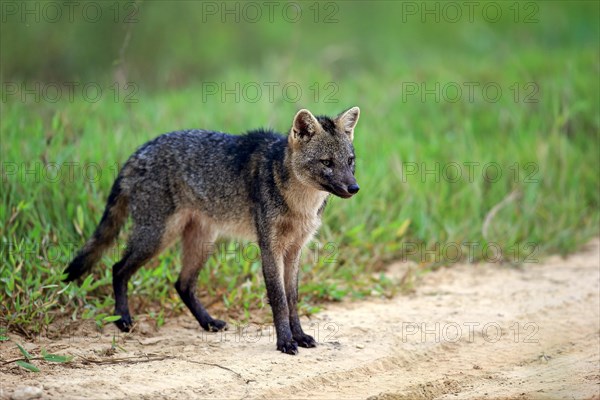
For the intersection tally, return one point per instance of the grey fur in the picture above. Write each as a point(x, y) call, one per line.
point(201, 185)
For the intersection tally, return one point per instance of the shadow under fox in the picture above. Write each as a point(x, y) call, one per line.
point(200, 185)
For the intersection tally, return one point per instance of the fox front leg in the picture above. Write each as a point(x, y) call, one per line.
point(292, 262)
point(272, 265)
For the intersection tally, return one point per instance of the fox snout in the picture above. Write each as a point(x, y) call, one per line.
point(353, 189)
point(345, 189)
point(349, 190)
point(349, 184)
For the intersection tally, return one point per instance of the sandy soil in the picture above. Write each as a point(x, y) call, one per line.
point(470, 331)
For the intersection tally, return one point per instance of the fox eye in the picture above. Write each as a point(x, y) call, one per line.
point(350, 160)
point(326, 163)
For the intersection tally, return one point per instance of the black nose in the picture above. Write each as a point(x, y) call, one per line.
point(353, 188)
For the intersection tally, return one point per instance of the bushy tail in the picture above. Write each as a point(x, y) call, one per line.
point(112, 220)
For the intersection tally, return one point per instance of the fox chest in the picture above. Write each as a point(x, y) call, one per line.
point(294, 230)
point(302, 220)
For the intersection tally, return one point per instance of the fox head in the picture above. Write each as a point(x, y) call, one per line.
point(322, 155)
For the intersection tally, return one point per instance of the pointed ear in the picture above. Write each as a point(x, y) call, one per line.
point(305, 126)
point(347, 121)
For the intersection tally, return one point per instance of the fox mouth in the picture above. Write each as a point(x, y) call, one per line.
point(337, 191)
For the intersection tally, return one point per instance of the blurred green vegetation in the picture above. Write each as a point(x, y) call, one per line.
point(175, 44)
point(167, 71)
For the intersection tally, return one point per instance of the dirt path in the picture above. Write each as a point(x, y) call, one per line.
point(469, 331)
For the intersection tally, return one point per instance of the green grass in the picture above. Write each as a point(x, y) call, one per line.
point(547, 151)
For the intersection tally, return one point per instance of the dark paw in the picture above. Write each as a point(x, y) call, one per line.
point(216, 325)
point(125, 323)
point(305, 340)
point(288, 347)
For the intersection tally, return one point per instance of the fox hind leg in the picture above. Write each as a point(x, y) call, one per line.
point(198, 241)
point(143, 244)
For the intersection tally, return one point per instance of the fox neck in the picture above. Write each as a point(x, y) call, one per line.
point(299, 196)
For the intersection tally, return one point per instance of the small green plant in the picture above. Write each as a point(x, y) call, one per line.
point(103, 319)
point(25, 361)
point(114, 345)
